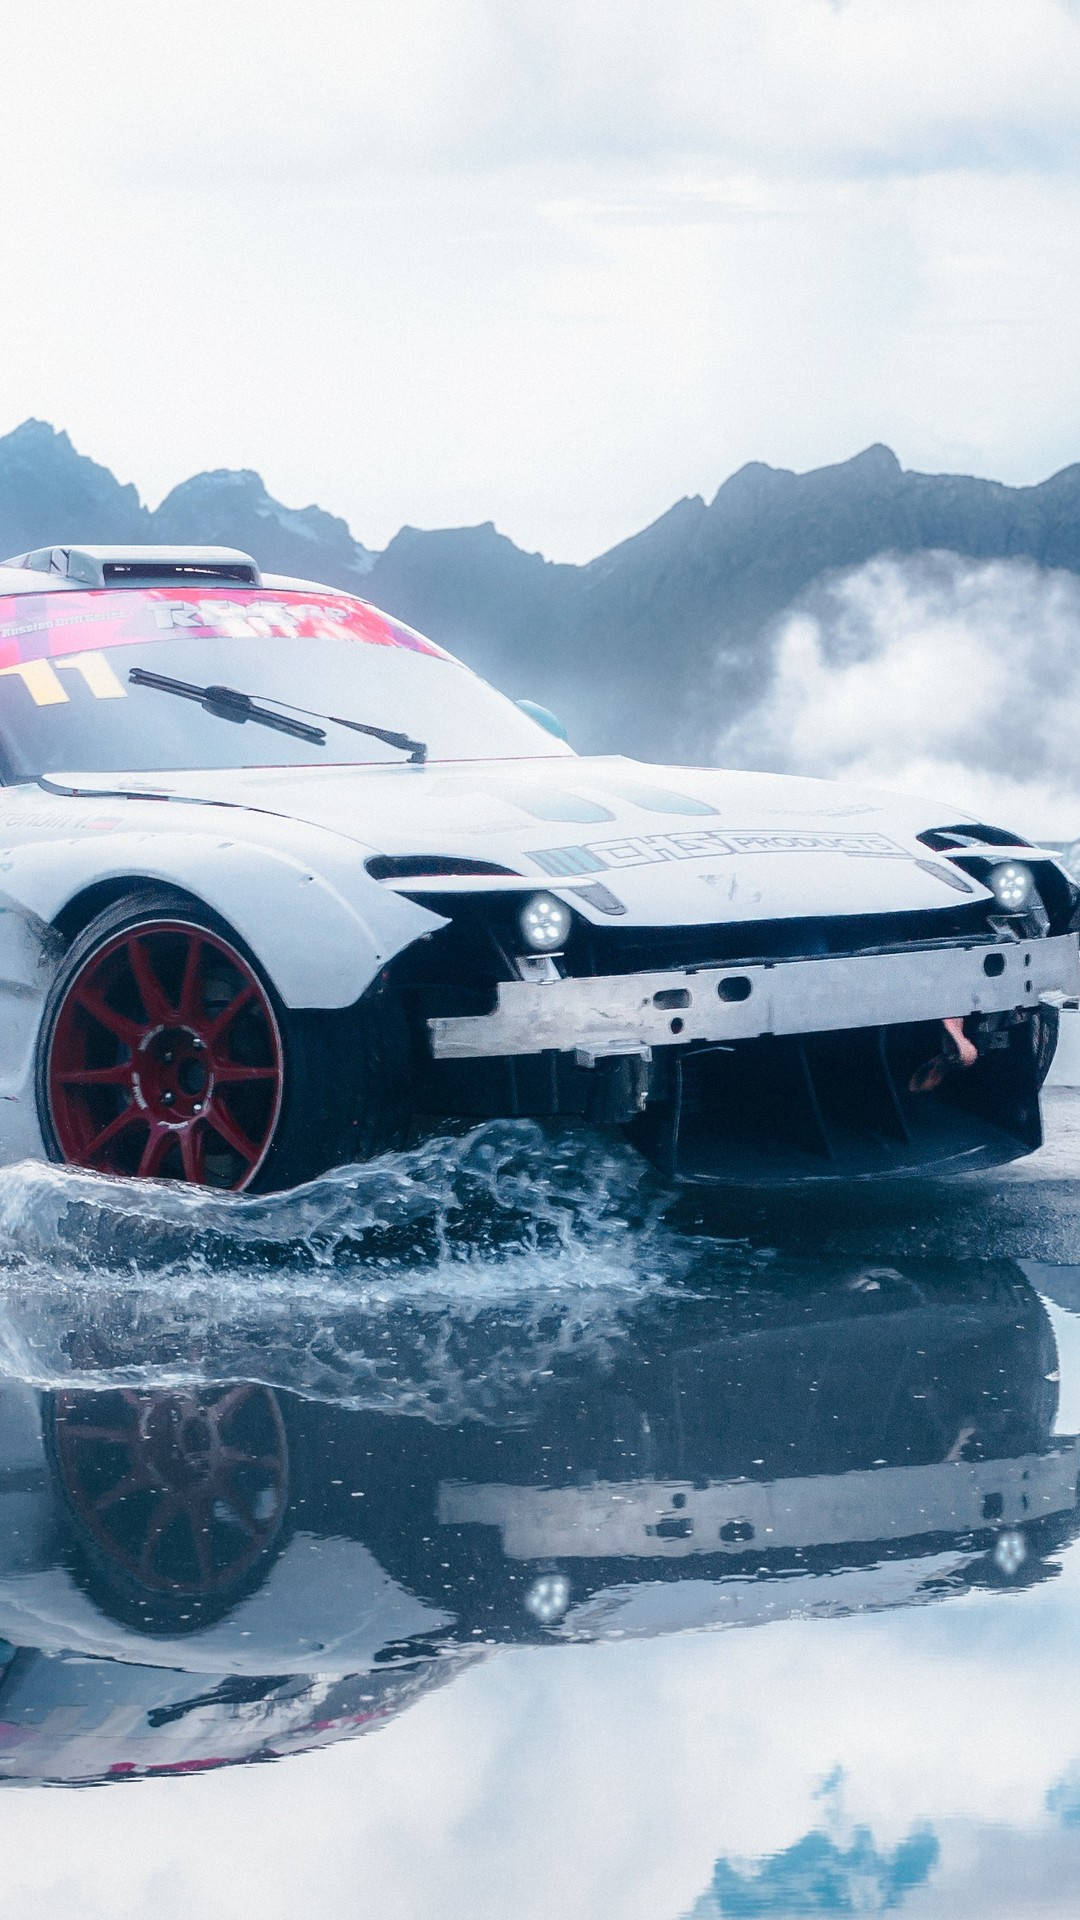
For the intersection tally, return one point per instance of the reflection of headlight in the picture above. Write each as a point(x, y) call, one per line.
point(548, 1598)
point(1013, 885)
point(1010, 1551)
point(544, 922)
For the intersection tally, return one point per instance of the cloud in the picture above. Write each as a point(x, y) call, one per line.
point(800, 85)
point(552, 266)
point(934, 674)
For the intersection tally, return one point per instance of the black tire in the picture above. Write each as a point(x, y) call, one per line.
point(333, 1068)
point(1047, 1027)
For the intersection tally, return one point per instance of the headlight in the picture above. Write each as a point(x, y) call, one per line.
point(1013, 885)
point(544, 923)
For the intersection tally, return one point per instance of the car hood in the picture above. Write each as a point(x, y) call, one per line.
point(667, 845)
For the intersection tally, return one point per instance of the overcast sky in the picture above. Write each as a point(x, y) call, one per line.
point(551, 265)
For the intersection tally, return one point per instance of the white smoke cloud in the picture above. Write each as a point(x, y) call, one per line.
point(932, 674)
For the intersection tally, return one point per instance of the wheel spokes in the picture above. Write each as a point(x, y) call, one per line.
point(128, 1117)
point(190, 1007)
point(201, 1543)
point(261, 1462)
point(165, 1058)
point(159, 1140)
point(230, 1073)
point(160, 1520)
point(156, 1004)
point(183, 1513)
point(134, 1482)
point(104, 1436)
point(227, 1403)
point(223, 1021)
point(222, 1123)
point(115, 1076)
point(93, 1003)
point(192, 1152)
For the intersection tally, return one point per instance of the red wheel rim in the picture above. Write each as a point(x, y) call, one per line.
point(182, 1491)
point(166, 1059)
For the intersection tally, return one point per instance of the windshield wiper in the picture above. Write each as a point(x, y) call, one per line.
point(416, 749)
point(228, 703)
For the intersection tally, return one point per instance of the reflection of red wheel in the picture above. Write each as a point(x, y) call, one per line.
point(175, 1495)
point(164, 1055)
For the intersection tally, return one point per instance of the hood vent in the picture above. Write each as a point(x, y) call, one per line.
point(962, 839)
point(434, 866)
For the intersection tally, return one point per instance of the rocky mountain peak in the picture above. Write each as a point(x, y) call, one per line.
point(49, 493)
point(232, 507)
point(874, 466)
point(643, 650)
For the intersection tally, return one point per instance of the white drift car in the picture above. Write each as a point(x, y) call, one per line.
point(281, 881)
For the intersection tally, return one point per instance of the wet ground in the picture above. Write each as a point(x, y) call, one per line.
point(1029, 1210)
point(475, 1535)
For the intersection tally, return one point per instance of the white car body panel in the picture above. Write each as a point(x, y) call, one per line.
point(294, 893)
point(647, 1611)
point(326, 1606)
point(744, 847)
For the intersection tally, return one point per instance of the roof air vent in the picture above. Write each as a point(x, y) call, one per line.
point(143, 566)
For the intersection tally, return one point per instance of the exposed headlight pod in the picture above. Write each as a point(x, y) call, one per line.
point(1013, 885)
point(544, 923)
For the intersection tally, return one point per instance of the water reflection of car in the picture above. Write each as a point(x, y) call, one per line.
point(177, 1500)
point(821, 1457)
point(196, 1575)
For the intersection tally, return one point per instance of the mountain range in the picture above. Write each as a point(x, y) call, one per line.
point(653, 648)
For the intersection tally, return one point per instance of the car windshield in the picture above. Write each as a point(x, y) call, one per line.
point(67, 701)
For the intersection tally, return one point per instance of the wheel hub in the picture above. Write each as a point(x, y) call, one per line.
point(179, 1442)
point(172, 1076)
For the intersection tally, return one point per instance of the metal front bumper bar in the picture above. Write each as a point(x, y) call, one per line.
point(629, 1013)
point(624, 1520)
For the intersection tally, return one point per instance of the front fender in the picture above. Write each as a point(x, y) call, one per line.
point(321, 927)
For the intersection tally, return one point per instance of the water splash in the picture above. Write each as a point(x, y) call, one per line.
point(440, 1282)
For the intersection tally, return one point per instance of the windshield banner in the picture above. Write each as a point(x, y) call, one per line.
point(36, 626)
